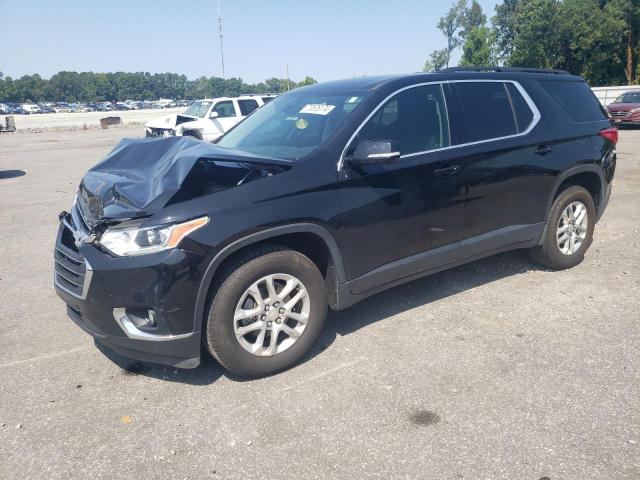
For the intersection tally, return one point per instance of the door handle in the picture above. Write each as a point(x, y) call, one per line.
point(447, 171)
point(543, 149)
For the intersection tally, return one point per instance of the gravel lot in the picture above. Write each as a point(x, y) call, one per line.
point(497, 369)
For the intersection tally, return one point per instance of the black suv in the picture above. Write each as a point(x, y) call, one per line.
point(321, 198)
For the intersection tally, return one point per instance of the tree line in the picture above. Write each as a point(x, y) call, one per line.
point(597, 39)
point(88, 87)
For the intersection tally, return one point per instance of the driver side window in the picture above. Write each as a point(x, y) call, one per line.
point(416, 119)
point(225, 109)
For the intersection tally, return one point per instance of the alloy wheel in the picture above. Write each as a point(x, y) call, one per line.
point(271, 314)
point(572, 228)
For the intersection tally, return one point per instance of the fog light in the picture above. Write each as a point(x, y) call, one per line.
point(141, 323)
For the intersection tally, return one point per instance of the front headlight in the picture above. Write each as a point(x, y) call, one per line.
point(125, 242)
point(635, 110)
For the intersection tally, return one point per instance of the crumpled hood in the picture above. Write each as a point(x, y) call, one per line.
point(140, 176)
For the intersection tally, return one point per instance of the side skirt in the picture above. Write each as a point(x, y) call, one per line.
point(437, 260)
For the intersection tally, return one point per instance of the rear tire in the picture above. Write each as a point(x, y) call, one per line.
point(279, 329)
point(569, 230)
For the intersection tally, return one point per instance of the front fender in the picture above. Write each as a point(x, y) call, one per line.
point(205, 285)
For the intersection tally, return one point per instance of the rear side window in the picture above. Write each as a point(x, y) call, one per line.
point(577, 99)
point(247, 106)
point(416, 119)
point(487, 110)
point(521, 110)
point(267, 99)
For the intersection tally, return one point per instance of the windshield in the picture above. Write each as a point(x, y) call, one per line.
point(198, 109)
point(629, 97)
point(291, 126)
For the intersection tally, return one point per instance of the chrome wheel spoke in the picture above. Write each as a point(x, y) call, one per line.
point(273, 342)
point(298, 317)
point(254, 292)
point(252, 327)
point(292, 332)
point(259, 343)
point(288, 288)
point(242, 314)
point(296, 298)
point(271, 288)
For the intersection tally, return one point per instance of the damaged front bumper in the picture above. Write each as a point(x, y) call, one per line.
point(140, 307)
point(153, 132)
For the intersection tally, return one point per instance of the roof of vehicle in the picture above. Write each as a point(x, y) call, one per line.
point(369, 84)
point(239, 97)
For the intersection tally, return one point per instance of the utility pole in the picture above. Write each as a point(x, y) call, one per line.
point(220, 35)
point(287, 75)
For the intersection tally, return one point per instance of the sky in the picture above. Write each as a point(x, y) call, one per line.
point(325, 39)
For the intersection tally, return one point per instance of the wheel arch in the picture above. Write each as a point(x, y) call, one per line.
point(591, 177)
point(193, 133)
point(284, 233)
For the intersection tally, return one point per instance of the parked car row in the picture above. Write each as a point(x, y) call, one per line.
point(57, 107)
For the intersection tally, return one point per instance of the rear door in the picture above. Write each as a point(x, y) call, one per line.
point(506, 170)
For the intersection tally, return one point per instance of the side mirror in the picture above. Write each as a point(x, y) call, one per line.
point(214, 114)
point(375, 152)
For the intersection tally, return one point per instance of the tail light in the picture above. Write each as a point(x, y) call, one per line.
point(610, 134)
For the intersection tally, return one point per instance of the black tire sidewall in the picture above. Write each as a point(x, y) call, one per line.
point(220, 335)
point(550, 245)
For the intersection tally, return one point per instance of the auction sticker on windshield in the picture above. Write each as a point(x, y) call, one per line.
point(317, 108)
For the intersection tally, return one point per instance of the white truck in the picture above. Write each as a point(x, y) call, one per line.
point(31, 108)
point(207, 119)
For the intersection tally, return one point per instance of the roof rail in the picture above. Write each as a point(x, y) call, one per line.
point(503, 69)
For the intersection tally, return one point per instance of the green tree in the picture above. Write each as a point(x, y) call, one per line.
point(590, 43)
point(479, 48)
point(536, 40)
point(504, 24)
point(450, 25)
point(307, 81)
point(437, 61)
point(473, 17)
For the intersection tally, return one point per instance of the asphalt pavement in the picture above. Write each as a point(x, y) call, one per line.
point(497, 369)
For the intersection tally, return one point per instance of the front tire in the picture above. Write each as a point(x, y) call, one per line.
point(269, 307)
point(568, 231)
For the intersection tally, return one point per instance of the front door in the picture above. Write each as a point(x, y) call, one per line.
point(406, 217)
point(226, 116)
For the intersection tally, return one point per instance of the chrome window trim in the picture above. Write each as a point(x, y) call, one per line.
point(534, 121)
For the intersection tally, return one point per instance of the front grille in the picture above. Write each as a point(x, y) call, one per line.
point(619, 114)
point(71, 271)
